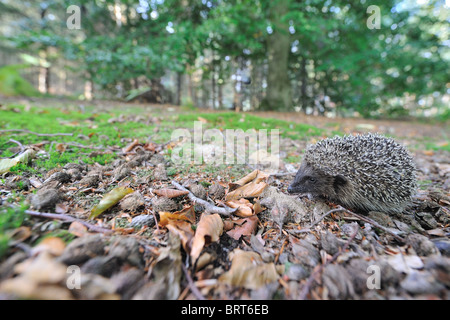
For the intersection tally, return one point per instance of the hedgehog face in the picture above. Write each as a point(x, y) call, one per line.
point(315, 182)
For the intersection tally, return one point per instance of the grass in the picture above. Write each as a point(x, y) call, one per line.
point(9, 219)
point(89, 129)
point(233, 120)
point(93, 129)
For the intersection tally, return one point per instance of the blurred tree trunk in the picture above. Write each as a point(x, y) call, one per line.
point(304, 80)
point(213, 87)
point(278, 92)
point(178, 95)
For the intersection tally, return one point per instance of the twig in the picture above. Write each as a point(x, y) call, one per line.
point(65, 217)
point(38, 134)
point(376, 224)
point(363, 218)
point(225, 211)
point(313, 275)
point(191, 284)
point(22, 148)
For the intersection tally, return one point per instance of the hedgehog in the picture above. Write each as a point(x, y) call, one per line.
point(365, 173)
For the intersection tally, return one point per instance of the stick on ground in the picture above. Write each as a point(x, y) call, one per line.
point(225, 211)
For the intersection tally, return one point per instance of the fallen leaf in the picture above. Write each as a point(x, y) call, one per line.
point(436, 232)
point(209, 229)
point(130, 146)
point(187, 214)
point(252, 185)
point(53, 245)
point(109, 200)
point(38, 278)
point(249, 271)
point(184, 231)
point(7, 164)
point(78, 229)
point(170, 193)
point(166, 272)
point(244, 207)
point(246, 228)
point(405, 263)
point(60, 147)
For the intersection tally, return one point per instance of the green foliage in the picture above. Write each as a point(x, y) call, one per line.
point(332, 53)
point(94, 127)
point(10, 219)
point(13, 84)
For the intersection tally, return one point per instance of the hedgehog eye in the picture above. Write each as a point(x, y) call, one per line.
point(312, 179)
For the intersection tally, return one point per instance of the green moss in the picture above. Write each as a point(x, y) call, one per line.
point(10, 219)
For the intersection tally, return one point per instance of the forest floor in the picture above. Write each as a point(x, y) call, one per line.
point(94, 205)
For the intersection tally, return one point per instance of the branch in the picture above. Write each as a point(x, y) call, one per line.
point(363, 218)
point(38, 134)
point(226, 211)
point(65, 217)
point(374, 223)
point(191, 284)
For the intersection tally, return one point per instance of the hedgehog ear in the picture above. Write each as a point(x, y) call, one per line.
point(338, 182)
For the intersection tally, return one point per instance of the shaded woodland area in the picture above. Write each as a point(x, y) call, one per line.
point(320, 57)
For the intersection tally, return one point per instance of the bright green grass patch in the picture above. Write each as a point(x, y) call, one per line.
point(232, 120)
point(88, 129)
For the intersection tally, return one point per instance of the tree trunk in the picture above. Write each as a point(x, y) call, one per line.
point(213, 87)
point(304, 79)
point(278, 92)
point(178, 96)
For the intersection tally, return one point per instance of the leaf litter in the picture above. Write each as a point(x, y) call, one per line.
point(201, 236)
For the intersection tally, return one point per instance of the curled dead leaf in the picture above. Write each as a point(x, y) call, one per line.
point(187, 214)
point(244, 207)
point(252, 185)
point(246, 227)
point(249, 271)
point(209, 229)
point(169, 193)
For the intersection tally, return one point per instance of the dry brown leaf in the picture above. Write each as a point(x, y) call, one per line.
point(53, 245)
point(78, 229)
point(60, 147)
point(184, 231)
point(246, 228)
point(249, 271)
point(170, 193)
point(245, 207)
point(251, 186)
point(42, 269)
point(257, 207)
point(187, 214)
point(209, 229)
point(130, 147)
